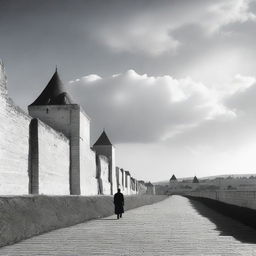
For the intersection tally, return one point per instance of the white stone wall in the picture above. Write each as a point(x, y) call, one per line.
point(113, 166)
point(14, 146)
point(151, 190)
point(58, 117)
point(142, 189)
point(88, 181)
point(122, 179)
point(65, 119)
point(133, 187)
point(104, 165)
point(60, 158)
point(109, 152)
point(119, 179)
point(15, 161)
point(54, 164)
point(127, 184)
point(14, 150)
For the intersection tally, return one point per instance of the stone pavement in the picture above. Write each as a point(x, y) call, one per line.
point(175, 226)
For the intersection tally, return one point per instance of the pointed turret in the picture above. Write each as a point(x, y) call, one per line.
point(104, 147)
point(55, 108)
point(195, 180)
point(150, 188)
point(54, 93)
point(103, 140)
point(173, 178)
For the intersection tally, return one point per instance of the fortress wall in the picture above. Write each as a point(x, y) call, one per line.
point(142, 189)
point(14, 150)
point(127, 186)
point(239, 198)
point(113, 166)
point(53, 149)
point(56, 116)
point(109, 152)
point(75, 185)
point(22, 217)
point(122, 179)
point(88, 180)
point(104, 170)
point(65, 119)
point(119, 179)
point(14, 147)
point(132, 187)
point(125, 182)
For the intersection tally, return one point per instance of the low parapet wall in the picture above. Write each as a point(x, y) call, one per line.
point(22, 217)
point(235, 197)
point(239, 205)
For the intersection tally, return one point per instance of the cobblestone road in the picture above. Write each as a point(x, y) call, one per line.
point(175, 226)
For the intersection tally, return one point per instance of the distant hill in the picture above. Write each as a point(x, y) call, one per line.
point(166, 182)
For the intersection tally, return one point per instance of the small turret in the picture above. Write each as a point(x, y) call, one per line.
point(103, 140)
point(173, 178)
point(150, 188)
point(195, 180)
point(55, 108)
point(103, 146)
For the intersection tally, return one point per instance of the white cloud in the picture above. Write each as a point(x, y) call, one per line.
point(227, 12)
point(139, 38)
point(91, 78)
point(150, 31)
point(241, 83)
point(142, 108)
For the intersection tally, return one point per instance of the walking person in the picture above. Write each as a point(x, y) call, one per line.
point(119, 203)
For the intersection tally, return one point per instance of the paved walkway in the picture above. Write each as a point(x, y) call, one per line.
point(174, 226)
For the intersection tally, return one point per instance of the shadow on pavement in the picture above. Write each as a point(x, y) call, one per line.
point(224, 224)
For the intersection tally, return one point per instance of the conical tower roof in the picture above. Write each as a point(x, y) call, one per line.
point(195, 180)
point(103, 140)
point(173, 178)
point(54, 93)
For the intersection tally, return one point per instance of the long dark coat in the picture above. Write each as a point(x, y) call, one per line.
point(119, 203)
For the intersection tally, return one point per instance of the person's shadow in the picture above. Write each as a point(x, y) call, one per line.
point(226, 225)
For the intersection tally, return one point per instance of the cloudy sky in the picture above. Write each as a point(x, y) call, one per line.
point(173, 82)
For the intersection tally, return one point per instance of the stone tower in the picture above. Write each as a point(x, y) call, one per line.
point(55, 107)
point(173, 179)
point(195, 180)
point(103, 146)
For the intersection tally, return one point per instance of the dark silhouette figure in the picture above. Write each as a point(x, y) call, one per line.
point(119, 204)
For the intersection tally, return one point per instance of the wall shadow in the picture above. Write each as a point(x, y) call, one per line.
point(230, 220)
